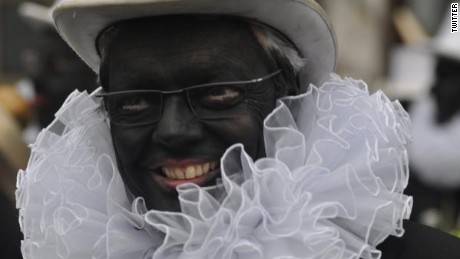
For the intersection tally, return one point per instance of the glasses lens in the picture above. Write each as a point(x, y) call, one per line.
point(134, 108)
point(216, 102)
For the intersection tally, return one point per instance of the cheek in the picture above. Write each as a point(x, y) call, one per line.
point(247, 126)
point(260, 102)
point(246, 129)
point(130, 143)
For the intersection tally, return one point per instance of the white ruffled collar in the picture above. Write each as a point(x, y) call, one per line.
point(330, 187)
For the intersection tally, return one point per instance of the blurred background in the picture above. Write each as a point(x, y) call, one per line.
point(37, 72)
point(402, 47)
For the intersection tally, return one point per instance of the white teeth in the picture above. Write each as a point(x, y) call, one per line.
point(198, 170)
point(189, 172)
point(205, 168)
point(179, 174)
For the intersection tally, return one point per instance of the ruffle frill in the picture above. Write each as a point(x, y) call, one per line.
point(330, 187)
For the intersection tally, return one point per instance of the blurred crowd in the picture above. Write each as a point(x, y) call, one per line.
point(50, 72)
point(404, 48)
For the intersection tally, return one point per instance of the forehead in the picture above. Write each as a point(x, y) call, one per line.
point(182, 48)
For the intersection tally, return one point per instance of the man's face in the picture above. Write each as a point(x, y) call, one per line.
point(172, 53)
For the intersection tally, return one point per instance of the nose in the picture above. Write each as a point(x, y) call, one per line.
point(178, 128)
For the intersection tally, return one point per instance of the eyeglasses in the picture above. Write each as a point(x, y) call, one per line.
point(207, 101)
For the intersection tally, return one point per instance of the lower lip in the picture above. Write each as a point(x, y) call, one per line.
point(173, 183)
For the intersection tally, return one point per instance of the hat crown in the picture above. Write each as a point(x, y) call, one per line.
point(302, 21)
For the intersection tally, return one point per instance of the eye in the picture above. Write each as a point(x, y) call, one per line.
point(222, 94)
point(135, 104)
point(136, 108)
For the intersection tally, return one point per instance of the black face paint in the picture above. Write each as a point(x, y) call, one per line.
point(171, 53)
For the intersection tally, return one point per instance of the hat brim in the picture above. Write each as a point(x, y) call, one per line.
point(80, 21)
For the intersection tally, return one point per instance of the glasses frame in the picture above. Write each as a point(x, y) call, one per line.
point(186, 90)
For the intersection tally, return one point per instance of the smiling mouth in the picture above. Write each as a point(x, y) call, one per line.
point(189, 171)
point(186, 171)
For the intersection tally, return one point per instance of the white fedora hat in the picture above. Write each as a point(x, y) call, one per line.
point(302, 21)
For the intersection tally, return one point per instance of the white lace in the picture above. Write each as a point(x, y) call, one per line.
point(330, 187)
point(434, 151)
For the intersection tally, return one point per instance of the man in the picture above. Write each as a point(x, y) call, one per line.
point(213, 165)
point(436, 178)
